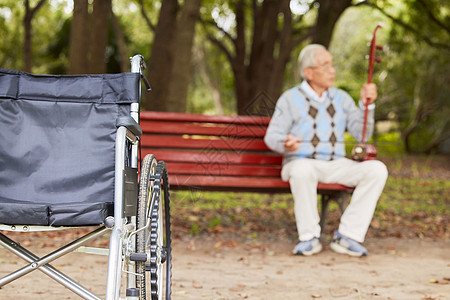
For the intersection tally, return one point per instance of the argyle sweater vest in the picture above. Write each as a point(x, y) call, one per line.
point(320, 126)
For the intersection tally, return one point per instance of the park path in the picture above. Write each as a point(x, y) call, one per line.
point(224, 267)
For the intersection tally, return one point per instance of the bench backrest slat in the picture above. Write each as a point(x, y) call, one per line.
point(207, 129)
point(203, 142)
point(184, 168)
point(191, 118)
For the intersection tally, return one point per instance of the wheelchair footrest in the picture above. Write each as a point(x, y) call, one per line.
point(138, 257)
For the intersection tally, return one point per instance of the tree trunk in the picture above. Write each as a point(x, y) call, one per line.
point(161, 59)
point(206, 74)
point(329, 13)
point(121, 44)
point(259, 88)
point(79, 38)
point(29, 14)
point(27, 41)
point(181, 70)
point(99, 36)
point(238, 63)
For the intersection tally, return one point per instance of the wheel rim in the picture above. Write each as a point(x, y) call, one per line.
point(154, 278)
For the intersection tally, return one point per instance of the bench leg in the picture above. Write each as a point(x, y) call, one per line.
point(341, 200)
point(325, 200)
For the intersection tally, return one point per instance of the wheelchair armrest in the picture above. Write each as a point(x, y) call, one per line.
point(130, 124)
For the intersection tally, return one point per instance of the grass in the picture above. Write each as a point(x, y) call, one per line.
point(415, 202)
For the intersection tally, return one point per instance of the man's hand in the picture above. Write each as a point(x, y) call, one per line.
point(368, 93)
point(291, 143)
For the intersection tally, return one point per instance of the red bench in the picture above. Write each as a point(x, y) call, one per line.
point(220, 153)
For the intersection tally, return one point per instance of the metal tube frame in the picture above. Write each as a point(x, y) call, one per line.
point(42, 264)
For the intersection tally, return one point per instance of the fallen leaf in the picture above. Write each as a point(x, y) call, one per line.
point(196, 285)
point(191, 246)
point(193, 218)
point(26, 243)
point(218, 245)
point(432, 280)
point(390, 247)
point(244, 261)
point(180, 292)
point(315, 296)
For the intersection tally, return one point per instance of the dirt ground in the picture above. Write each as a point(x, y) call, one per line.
point(224, 267)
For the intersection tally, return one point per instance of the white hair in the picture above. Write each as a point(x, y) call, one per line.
point(307, 57)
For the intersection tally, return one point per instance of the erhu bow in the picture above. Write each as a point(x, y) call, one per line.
point(363, 151)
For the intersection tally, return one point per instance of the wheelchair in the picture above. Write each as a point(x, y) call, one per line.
point(70, 158)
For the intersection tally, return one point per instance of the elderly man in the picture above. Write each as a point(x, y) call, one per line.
point(308, 128)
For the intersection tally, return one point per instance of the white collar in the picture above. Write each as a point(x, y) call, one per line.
point(307, 89)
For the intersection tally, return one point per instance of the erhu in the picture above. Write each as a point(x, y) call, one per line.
point(363, 151)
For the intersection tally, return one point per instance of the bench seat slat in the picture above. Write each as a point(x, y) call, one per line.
point(170, 141)
point(202, 129)
point(223, 170)
point(241, 182)
point(225, 181)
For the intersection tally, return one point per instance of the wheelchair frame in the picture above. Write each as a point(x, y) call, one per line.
point(122, 227)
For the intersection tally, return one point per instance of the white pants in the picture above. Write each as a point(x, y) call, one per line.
point(368, 178)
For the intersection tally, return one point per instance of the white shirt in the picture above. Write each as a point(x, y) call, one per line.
point(311, 94)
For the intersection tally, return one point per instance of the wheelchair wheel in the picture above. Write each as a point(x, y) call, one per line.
point(154, 276)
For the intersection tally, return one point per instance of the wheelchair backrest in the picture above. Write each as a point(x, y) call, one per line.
point(57, 142)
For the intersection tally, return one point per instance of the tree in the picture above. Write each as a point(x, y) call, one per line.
point(259, 49)
point(121, 43)
point(79, 38)
point(100, 19)
point(89, 36)
point(171, 54)
point(29, 14)
point(328, 14)
point(181, 68)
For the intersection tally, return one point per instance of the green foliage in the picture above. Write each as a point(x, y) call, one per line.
point(412, 79)
point(409, 195)
point(389, 144)
point(11, 33)
point(211, 76)
point(350, 48)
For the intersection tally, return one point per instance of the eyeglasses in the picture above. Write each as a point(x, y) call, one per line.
point(325, 67)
